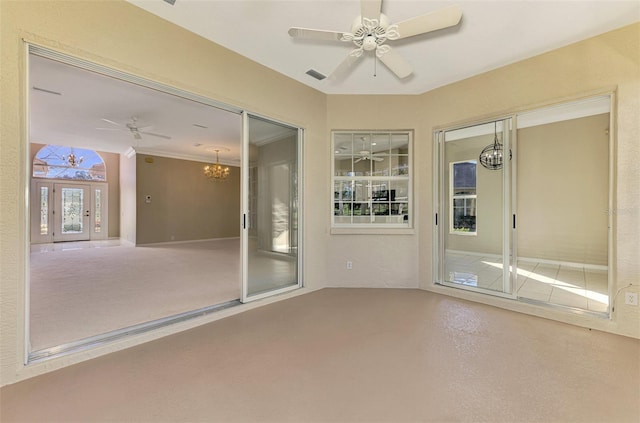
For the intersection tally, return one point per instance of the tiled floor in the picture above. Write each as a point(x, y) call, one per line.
point(571, 286)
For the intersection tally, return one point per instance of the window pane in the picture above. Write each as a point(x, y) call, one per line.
point(44, 210)
point(97, 224)
point(399, 191)
point(380, 164)
point(60, 162)
point(362, 189)
point(464, 176)
point(72, 210)
point(464, 214)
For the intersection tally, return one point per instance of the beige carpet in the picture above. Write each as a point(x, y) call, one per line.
point(84, 292)
point(351, 355)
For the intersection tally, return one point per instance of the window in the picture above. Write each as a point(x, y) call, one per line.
point(58, 162)
point(462, 177)
point(371, 179)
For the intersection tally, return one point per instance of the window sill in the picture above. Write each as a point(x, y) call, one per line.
point(372, 231)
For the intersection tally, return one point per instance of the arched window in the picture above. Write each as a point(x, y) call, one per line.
point(59, 162)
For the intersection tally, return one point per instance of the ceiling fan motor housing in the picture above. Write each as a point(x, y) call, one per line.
point(369, 34)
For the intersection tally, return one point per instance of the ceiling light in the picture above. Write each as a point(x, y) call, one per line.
point(491, 155)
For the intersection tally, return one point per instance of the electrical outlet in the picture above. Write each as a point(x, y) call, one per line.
point(631, 298)
point(349, 265)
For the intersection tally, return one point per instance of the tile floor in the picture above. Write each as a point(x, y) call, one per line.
point(570, 286)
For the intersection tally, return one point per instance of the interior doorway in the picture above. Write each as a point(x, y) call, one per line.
point(155, 238)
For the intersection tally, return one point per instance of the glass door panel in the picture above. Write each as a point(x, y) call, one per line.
point(71, 213)
point(475, 208)
point(270, 236)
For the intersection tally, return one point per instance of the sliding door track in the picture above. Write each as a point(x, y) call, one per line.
point(105, 338)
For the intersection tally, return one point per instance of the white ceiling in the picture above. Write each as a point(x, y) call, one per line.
point(490, 35)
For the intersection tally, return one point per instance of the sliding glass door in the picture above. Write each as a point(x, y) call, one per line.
point(555, 175)
point(271, 208)
point(474, 215)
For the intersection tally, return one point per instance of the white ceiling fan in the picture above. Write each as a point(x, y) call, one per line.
point(366, 154)
point(133, 128)
point(372, 29)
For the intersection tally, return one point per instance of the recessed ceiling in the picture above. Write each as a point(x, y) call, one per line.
point(491, 34)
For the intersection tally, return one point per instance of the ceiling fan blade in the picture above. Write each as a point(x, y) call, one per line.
point(433, 21)
point(111, 122)
point(377, 159)
point(360, 159)
point(315, 34)
point(370, 9)
point(344, 67)
point(396, 63)
point(111, 129)
point(166, 137)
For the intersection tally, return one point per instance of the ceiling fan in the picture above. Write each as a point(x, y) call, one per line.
point(133, 128)
point(366, 154)
point(372, 29)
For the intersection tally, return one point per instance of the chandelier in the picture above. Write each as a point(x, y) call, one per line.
point(216, 171)
point(491, 155)
point(71, 160)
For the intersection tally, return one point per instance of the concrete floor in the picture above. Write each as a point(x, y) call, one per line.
point(347, 355)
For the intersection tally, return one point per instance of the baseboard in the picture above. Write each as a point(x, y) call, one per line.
point(190, 241)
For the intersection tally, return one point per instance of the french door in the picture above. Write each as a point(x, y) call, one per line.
point(474, 219)
point(68, 211)
point(270, 219)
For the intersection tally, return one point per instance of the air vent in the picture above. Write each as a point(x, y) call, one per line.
point(171, 2)
point(200, 126)
point(317, 75)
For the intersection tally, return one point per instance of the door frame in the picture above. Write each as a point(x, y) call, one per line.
point(51, 185)
point(509, 231)
point(246, 212)
point(30, 356)
point(438, 197)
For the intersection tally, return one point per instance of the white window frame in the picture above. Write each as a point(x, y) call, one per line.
point(453, 197)
point(368, 182)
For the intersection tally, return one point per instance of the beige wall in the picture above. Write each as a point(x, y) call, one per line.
point(112, 164)
point(185, 205)
point(124, 37)
point(563, 190)
point(381, 258)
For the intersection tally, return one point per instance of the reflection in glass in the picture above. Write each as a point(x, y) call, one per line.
point(371, 178)
point(473, 212)
point(273, 235)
